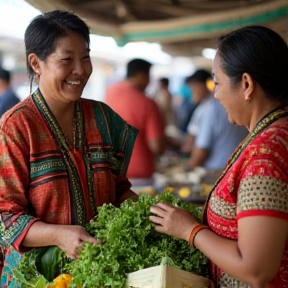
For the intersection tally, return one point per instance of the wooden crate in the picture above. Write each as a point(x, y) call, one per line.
point(164, 276)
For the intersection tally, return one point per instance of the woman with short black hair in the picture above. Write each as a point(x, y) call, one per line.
point(61, 156)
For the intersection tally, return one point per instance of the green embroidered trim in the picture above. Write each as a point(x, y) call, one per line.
point(121, 136)
point(11, 233)
point(76, 187)
point(129, 139)
point(43, 167)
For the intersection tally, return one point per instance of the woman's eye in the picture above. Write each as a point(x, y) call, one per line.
point(66, 59)
point(86, 57)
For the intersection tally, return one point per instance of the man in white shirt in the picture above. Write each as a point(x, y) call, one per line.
point(211, 139)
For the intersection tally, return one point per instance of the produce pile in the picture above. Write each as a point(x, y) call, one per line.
point(131, 243)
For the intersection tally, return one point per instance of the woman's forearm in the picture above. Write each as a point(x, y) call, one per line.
point(42, 234)
point(226, 254)
point(69, 238)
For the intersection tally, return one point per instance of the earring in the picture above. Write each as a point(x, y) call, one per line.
point(37, 78)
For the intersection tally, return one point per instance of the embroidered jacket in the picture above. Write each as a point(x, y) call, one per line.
point(42, 177)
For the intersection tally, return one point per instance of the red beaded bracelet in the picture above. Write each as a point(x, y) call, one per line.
point(194, 232)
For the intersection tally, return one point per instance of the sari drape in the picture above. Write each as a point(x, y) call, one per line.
point(256, 184)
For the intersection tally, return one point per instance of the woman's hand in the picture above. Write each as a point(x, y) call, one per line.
point(172, 221)
point(71, 239)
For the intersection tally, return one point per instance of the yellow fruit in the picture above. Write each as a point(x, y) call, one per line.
point(147, 190)
point(184, 192)
point(169, 189)
point(62, 281)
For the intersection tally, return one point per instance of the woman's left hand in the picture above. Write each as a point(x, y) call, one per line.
point(172, 221)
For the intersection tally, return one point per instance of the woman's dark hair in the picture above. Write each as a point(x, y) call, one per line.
point(260, 52)
point(45, 29)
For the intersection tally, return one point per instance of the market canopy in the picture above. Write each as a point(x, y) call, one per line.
point(183, 27)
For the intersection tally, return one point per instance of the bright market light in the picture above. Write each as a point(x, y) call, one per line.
point(209, 53)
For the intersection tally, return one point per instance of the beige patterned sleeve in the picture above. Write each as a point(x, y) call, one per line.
point(262, 193)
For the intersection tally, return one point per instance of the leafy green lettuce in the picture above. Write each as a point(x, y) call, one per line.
point(131, 243)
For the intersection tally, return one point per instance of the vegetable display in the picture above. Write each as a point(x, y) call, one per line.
point(131, 243)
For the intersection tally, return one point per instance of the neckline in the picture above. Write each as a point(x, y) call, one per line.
point(263, 123)
point(60, 135)
point(78, 215)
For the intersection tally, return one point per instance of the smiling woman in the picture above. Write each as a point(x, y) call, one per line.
point(63, 74)
point(61, 156)
point(247, 210)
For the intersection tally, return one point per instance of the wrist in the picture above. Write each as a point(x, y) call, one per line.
point(197, 228)
point(56, 234)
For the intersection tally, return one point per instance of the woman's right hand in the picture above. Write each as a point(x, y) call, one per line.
point(71, 239)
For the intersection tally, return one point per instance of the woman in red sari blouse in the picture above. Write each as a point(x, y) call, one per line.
point(60, 156)
point(245, 227)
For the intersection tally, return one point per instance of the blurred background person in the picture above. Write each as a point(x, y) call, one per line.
point(163, 99)
point(128, 99)
point(8, 97)
point(211, 139)
point(184, 106)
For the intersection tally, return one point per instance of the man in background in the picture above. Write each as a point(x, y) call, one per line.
point(127, 98)
point(184, 106)
point(163, 99)
point(211, 139)
point(7, 96)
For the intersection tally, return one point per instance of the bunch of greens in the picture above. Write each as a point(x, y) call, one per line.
point(131, 243)
point(40, 266)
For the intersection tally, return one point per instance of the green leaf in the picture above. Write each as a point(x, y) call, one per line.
point(21, 278)
point(131, 243)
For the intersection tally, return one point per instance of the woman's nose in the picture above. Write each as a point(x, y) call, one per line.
point(78, 68)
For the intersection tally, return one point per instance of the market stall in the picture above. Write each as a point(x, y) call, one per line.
point(183, 28)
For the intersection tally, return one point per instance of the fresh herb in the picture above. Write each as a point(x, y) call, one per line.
point(131, 244)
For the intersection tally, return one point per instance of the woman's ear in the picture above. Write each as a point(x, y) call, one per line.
point(34, 63)
point(247, 85)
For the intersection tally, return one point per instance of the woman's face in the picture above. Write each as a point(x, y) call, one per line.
point(230, 97)
point(65, 72)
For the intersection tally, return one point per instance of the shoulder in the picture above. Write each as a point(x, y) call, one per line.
point(96, 106)
point(268, 152)
point(273, 137)
point(150, 102)
point(101, 112)
point(118, 88)
point(214, 106)
point(23, 112)
point(207, 109)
